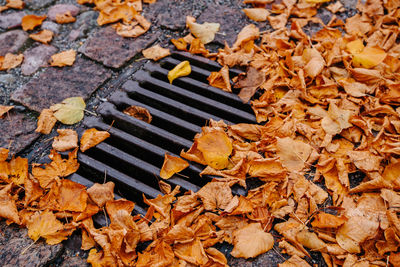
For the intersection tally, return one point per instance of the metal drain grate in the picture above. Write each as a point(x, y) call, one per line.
point(133, 155)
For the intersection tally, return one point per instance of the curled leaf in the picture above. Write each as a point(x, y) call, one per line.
point(4, 110)
point(46, 121)
point(139, 113)
point(180, 70)
point(256, 14)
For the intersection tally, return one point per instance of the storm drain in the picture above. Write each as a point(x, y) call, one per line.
point(133, 155)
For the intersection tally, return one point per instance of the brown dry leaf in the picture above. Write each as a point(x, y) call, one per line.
point(161, 255)
point(56, 169)
point(192, 252)
point(294, 261)
point(248, 33)
point(8, 208)
point(10, 61)
point(92, 137)
point(249, 83)
point(43, 36)
point(294, 154)
point(16, 4)
point(71, 196)
point(220, 79)
point(310, 240)
point(314, 62)
point(65, 18)
point(29, 22)
point(251, 241)
point(46, 121)
point(336, 120)
point(15, 171)
point(139, 113)
point(172, 165)
point(113, 12)
point(156, 52)
point(256, 14)
point(113, 207)
point(45, 224)
point(134, 29)
point(336, 7)
point(33, 191)
point(180, 70)
point(65, 58)
point(205, 32)
point(325, 220)
point(215, 195)
point(216, 148)
point(4, 110)
point(67, 139)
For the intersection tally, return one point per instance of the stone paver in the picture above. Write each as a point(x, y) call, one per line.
point(55, 84)
point(62, 9)
point(12, 41)
point(107, 47)
point(229, 27)
point(51, 26)
point(36, 57)
point(11, 20)
point(17, 131)
point(38, 4)
point(17, 249)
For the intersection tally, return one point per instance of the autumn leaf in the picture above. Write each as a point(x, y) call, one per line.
point(70, 110)
point(251, 241)
point(15, 171)
point(45, 224)
point(215, 195)
point(10, 61)
point(65, 18)
point(326, 220)
point(92, 137)
point(156, 52)
point(4, 110)
point(256, 14)
point(46, 121)
point(172, 165)
point(369, 57)
point(16, 4)
point(216, 148)
point(29, 22)
point(220, 79)
point(8, 208)
point(67, 139)
point(44, 36)
point(140, 113)
point(294, 154)
point(65, 58)
point(180, 44)
point(205, 32)
point(180, 70)
point(3, 154)
point(101, 193)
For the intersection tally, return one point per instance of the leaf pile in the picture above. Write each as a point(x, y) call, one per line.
point(328, 109)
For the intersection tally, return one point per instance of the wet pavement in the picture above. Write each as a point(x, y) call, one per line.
point(104, 61)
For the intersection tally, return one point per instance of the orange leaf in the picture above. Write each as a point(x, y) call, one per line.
point(216, 148)
point(46, 121)
point(4, 110)
point(256, 14)
point(66, 140)
point(58, 168)
point(156, 52)
point(215, 195)
point(65, 18)
point(220, 79)
point(65, 58)
point(101, 193)
point(29, 22)
point(15, 171)
point(172, 165)
point(10, 61)
point(92, 137)
point(180, 44)
point(8, 208)
point(3, 154)
point(251, 241)
point(46, 225)
point(43, 36)
point(16, 4)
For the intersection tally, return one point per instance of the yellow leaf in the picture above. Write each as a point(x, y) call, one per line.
point(355, 46)
point(369, 57)
point(216, 148)
point(70, 110)
point(172, 165)
point(180, 70)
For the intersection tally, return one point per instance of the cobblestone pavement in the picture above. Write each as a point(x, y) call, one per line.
point(105, 60)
